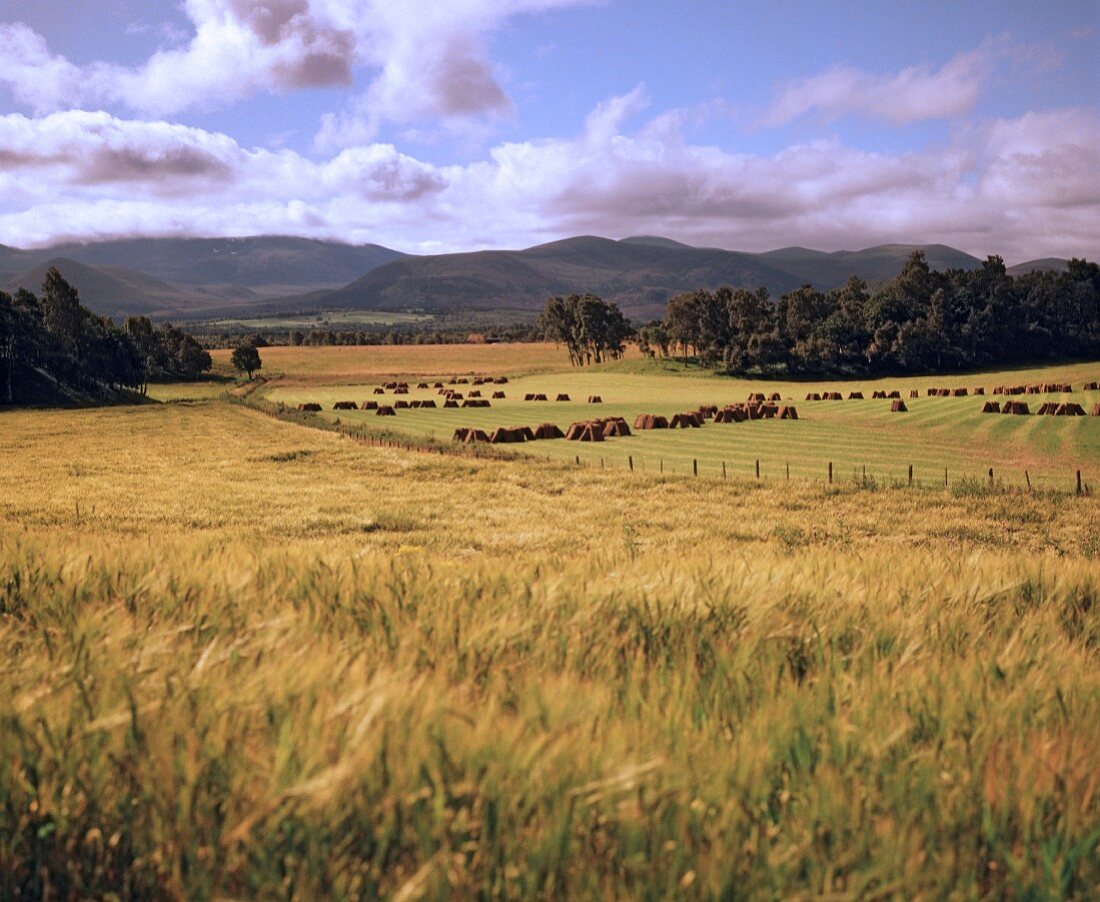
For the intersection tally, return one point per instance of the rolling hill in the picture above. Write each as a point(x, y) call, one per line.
point(639, 274)
point(117, 291)
point(193, 278)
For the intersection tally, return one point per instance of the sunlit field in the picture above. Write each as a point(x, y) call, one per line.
point(858, 437)
point(247, 658)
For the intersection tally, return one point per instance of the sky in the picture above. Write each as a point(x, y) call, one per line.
point(433, 126)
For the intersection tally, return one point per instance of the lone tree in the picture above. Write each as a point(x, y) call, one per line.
point(246, 359)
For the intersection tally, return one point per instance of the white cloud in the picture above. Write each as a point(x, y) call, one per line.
point(430, 61)
point(1022, 187)
point(910, 95)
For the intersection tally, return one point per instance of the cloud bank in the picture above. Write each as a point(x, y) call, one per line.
point(1022, 187)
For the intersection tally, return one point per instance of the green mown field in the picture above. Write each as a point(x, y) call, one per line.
point(242, 657)
point(858, 437)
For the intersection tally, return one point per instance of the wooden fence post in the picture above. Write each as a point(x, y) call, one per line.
point(723, 469)
point(991, 477)
point(1079, 482)
point(630, 461)
point(695, 466)
point(1027, 477)
point(945, 475)
point(758, 469)
point(788, 471)
point(830, 472)
point(910, 474)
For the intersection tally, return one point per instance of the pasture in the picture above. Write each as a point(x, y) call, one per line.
point(244, 658)
point(859, 437)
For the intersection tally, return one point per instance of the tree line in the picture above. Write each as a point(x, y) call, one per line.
point(51, 342)
point(919, 321)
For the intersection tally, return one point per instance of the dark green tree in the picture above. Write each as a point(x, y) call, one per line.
point(246, 359)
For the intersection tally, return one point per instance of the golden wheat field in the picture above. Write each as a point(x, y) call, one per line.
point(247, 658)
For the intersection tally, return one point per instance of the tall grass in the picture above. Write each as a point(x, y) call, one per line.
point(197, 722)
point(239, 658)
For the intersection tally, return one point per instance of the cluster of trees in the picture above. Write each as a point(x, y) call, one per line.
point(591, 329)
point(52, 336)
point(920, 320)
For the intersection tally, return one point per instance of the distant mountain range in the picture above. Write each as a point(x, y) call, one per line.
point(198, 278)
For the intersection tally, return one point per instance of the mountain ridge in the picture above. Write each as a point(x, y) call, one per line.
point(197, 278)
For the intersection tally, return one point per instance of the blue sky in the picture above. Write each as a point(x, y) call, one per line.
point(504, 123)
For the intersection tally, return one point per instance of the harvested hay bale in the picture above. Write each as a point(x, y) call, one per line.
point(877, 394)
point(497, 395)
point(369, 405)
point(476, 402)
point(548, 430)
point(991, 407)
point(689, 420)
point(788, 412)
point(898, 406)
point(1070, 409)
point(585, 431)
point(345, 405)
point(1019, 408)
point(855, 396)
point(379, 390)
point(592, 432)
point(708, 411)
point(932, 392)
point(421, 384)
point(894, 394)
point(500, 380)
point(616, 427)
point(775, 396)
point(1047, 409)
point(914, 393)
point(416, 403)
point(450, 403)
point(757, 396)
point(460, 434)
point(813, 396)
point(401, 390)
point(562, 397)
point(384, 410)
point(529, 396)
point(834, 396)
point(454, 395)
point(1091, 386)
point(437, 385)
point(503, 435)
point(476, 435)
point(463, 381)
point(541, 397)
point(428, 403)
point(401, 405)
point(476, 393)
point(310, 407)
point(480, 380)
point(1034, 389)
point(595, 399)
point(769, 411)
point(1096, 410)
point(732, 414)
point(526, 433)
point(979, 390)
point(959, 393)
point(650, 421)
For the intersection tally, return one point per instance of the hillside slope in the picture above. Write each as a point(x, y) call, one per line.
point(639, 274)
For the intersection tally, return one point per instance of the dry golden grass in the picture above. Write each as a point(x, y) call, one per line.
point(243, 658)
point(355, 364)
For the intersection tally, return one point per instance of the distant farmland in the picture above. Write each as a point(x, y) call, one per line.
point(859, 437)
